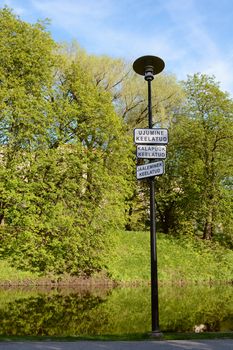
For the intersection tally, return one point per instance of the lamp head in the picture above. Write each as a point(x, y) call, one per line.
point(148, 66)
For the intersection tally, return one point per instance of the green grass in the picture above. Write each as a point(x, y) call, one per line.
point(179, 260)
point(10, 275)
point(123, 337)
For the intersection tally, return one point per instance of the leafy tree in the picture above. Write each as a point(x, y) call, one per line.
point(86, 117)
point(201, 164)
point(166, 100)
point(25, 78)
point(63, 153)
point(129, 97)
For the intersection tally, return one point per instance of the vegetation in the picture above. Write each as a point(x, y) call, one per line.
point(118, 311)
point(63, 151)
point(11, 275)
point(180, 261)
point(67, 162)
point(123, 337)
point(200, 165)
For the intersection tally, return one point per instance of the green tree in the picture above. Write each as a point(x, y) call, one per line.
point(25, 76)
point(25, 79)
point(201, 163)
point(167, 97)
point(84, 115)
point(64, 155)
point(129, 97)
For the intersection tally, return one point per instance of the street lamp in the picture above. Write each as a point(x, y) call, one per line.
point(148, 66)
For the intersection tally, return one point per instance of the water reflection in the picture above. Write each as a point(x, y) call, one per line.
point(70, 312)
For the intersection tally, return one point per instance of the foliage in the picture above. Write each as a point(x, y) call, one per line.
point(180, 260)
point(167, 96)
point(195, 196)
point(12, 276)
point(67, 175)
point(129, 97)
point(63, 152)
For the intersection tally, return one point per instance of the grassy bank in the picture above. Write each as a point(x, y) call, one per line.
point(179, 261)
point(123, 337)
point(10, 275)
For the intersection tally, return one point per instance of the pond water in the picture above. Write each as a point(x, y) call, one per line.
point(80, 311)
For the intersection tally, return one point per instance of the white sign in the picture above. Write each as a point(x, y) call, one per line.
point(151, 152)
point(151, 136)
point(150, 169)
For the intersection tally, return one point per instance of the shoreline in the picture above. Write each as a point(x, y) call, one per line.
point(103, 282)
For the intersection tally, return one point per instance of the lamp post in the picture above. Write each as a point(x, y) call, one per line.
point(148, 66)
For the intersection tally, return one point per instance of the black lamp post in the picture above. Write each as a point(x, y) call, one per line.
point(148, 66)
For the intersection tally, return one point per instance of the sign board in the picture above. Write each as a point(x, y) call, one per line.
point(151, 136)
point(150, 169)
point(151, 152)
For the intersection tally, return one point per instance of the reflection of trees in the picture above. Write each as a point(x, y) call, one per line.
point(53, 315)
point(117, 311)
point(183, 308)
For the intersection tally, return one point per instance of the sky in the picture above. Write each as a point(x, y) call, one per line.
point(189, 35)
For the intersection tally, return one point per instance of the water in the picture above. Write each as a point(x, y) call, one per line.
point(69, 312)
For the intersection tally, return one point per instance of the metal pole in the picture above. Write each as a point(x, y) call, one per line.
point(150, 122)
point(148, 66)
point(154, 269)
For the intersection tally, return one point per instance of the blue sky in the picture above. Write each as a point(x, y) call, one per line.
point(190, 35)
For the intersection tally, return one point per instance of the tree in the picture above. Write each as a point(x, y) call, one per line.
point(25, 77)
point(63, 155)
point(166, 100)
point(129, 97)
point(84, 116)
point(203, 134)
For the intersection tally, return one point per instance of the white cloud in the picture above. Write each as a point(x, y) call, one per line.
point(201, 51)
point(97, 24)
point(172, 29)
point(80, 9)
point(19, 10)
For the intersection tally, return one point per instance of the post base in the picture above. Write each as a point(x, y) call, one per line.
point(156, 334)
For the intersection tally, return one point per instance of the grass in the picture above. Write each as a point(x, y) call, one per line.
point(10, 275)
point(123, 337)
point(179, 260)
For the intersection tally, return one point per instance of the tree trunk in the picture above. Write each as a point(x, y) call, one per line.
point(2, 220)
point(209, 227)
point(128, 226)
